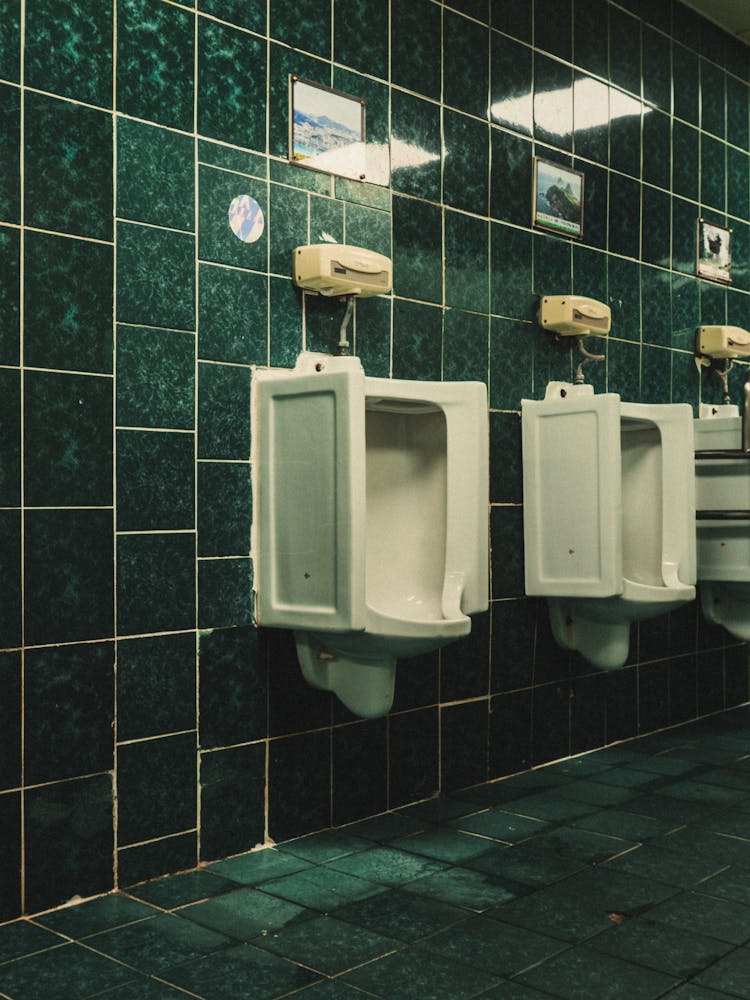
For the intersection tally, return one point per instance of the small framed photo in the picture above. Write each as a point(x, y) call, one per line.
point(326, 129)
point(558, 198)
point(714, 252)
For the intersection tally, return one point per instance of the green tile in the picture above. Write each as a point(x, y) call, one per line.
point(737, 118)
point(493, 947)
point(417, 250)
point(367, 227)
point(156, 790)
point(67, 321)
point(69, 843)
point(155, 383)
point(656, 237)
point(650, 861)
point(67, 684)
point(472, 890)
point(326, 846)
point(667, 949)
point(231, 85)
point(656, 66)
point(283, 63)
point(327, 222)
point(713, 173)
point(10, 159)
point(584, 972)
point(500, 825)
point(155, 277)
point(295, 174)
point(10, 674)
point(156, 945)
point(244, 13)
point(233, 800)
point(731, 975)
point(24, 938)
point(224, 509)
point(465, 163)
point(625, 51)
point(259, 866)
point(685, 160)
point(466, 262)
point(732, 883)
point(10, 422)
point(179, 890)
point(618, 823)
point(232, 315)
point(360, 193)
point(401, 915)
point(442, 844)
point(624, 215)
point(465, 346)
point(657, 148)
point(155, 583)
point(713, 99)
point(155, 175)
point(417, 340)
point(304, 25)
point(241, 971)
point(415, 146)
point(552, 27)
point(10, 853)
point(155, 58)
point(216, 154)
point(216, 240)
point(416, 46)
point(61, 973)
point(225, 592)
point(155, 685)
point(245, 913)
point(68, 177)
point(10, 40)
point(553, 116)
point(510, 196)
point(223, 412)
point(510, 93)
point(287, 225)
point(372, 339)
point(155, 481)
point(67, 440)
point(507, 562)
point(360, 36)
point(232, 687)
point(97, 915)
point(10, 296)
point(407, 974)
point(143, 988)
point(321, 888)
point(387, 865)
point(80, 42)
point(327, 945)
point(68, 575)
point(465, 57)
point(686, 82)
point(158, 857)
point(510, 383)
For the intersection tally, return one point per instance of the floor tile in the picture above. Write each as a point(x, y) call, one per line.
point(241, 971)
point(476, 891)
point(493, 947)
point(703, 792)
point(327, 945)
point(259, 866)
point(97, 915)
point(24, 938)
point(60, 974)
point(408, 976)
point(730, 975)
point(439, 810)
point(387, 865)
point(321, 889)
point(616, 822)
point(402, 915)
point(668, 949)
point(387, 827)
point(582, 845)
point(508, 827)
point(581, 973)
point(666, 866)
point(691, 991)
point(551, 806)
point(443, 844)
point(245, 913)
point(142, 988)
point(321, 847)
point(177, 890)
point(626, 777)
point(672, 810)
point(527, 867)
point(723, 918)
point(157, 944)
point(595, 793)
point(732, 883)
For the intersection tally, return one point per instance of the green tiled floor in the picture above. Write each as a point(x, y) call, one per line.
point(620, 875)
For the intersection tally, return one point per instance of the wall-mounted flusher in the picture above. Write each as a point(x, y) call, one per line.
point(576, 316)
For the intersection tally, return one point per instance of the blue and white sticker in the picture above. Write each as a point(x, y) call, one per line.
point(246, 218)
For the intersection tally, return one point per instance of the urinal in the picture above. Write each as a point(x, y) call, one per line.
point(370, 500)
point(609, 514)
point(722, 489)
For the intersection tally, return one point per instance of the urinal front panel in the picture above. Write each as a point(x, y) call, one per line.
point(406, 512)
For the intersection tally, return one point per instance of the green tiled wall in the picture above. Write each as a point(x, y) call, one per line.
point(144, 724)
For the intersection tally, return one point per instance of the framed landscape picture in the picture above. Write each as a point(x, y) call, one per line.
point(326, 129)
point(557, 198)
point(714, 252)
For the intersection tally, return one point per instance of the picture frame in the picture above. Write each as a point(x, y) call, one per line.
point(326, 129)
point(557, 199)
point(714, 252)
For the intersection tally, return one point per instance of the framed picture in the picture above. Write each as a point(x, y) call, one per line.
point(558, 198)
point(326, 129)
point(714, 252)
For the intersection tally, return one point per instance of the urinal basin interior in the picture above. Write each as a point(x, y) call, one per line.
point(636, 602)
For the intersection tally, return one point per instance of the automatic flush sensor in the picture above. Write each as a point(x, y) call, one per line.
point(335, 269)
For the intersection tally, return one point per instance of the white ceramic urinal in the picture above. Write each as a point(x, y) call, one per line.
point(608, 514)
point(370, 519)
point(722, 487)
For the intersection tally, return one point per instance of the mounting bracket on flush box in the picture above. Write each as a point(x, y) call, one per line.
point(336, 269)
point(574, 315)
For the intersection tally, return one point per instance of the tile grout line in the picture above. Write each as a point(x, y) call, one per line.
point(22, 380)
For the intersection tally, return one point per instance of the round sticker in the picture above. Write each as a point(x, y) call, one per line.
point(246, 218)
